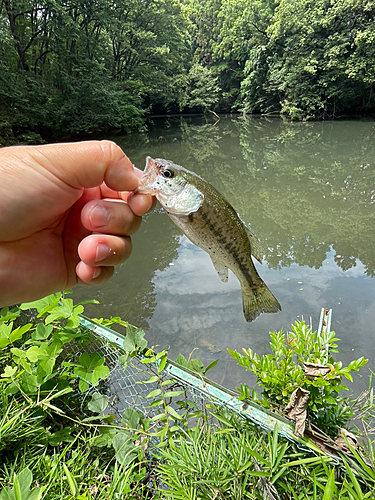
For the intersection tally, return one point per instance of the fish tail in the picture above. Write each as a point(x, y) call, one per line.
point(257, 300)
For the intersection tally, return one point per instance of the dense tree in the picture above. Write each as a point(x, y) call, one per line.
point(75, 67)
point(246, 47)
point(89, 66)
point(201, 89)
point(324, 66)
point(304, 59)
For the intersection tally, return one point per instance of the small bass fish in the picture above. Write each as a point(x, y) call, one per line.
point(211, 223)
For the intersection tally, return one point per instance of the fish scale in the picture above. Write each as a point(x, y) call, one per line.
point(237, 249)
point(211, 223)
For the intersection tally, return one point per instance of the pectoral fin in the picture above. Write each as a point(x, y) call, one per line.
point(221, 270)
point(256, 248)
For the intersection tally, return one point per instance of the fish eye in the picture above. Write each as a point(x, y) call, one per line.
point(167, 173)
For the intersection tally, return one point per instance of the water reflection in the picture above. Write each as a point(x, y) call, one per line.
point(306, 189)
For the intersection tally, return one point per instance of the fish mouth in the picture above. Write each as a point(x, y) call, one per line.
point(148, 178)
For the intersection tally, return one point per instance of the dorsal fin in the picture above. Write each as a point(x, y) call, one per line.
point(256, 248)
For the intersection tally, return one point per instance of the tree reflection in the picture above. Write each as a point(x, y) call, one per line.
point(305, 188)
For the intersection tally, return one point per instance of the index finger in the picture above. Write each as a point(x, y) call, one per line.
point(107, 192)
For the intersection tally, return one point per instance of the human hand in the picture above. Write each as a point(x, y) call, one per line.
point(66, 215)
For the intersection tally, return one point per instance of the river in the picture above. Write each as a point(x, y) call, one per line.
point(307, 190)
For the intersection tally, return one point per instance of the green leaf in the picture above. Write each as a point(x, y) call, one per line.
point(170, 381)
point(222, 419)
point(71, 481)
point(194, 365)
point(329, 490)
point(159, 416)
point(91, 369)
point(18, 332)
point(9, 371)
point(134, 340)
point(63, 436)
point(42, 332)
point(21, 490)
point(74, 320)
point(5, 331)
point(41, 304)
point(160, 354)
point(310, 460)
point(124, 447)
point(172, 412)
point(124, 361)
point(354, 480)
point(157, 402)
point(154, 393)
point(8, 335)
point(105, 438)
point(62, 311)
point(162, 363)
point(173, 394)
point(33, 353)
point(131, 418)
point(6, 316)
point(18, 352)
point(211, 365)
point(181, 360)
point(151, 380)
point(98, 402)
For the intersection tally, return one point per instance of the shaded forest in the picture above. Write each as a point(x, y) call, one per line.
point(80, 68)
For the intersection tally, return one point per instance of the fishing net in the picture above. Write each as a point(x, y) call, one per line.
point(126, 388)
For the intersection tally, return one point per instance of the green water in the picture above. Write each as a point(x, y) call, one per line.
point(306, 189)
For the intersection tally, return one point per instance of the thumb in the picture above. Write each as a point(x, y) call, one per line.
point(88, 164)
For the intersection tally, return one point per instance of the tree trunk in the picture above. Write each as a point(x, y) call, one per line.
point(16, 37)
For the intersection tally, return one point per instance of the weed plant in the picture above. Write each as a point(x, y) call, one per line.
point(283, 371)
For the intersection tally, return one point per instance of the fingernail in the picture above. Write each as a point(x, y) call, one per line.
point(102, 252)
point(99, 216)
point(96, 273)
point(149, 206)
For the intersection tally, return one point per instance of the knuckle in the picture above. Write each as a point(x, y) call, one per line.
point(111, 151)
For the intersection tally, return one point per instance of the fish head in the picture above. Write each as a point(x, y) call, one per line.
point(161, 176)
point(172, 185)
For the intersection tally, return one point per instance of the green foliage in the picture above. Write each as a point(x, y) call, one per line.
point(76, 70)
point(70, 70)
point(29, 365)
point(90, 369)
point(235, 460)
point(282, 372)
point(40, 385)
point(21, 488)
point(195, 364)
point(59, 442)
point(304, 60)
point(202, 89)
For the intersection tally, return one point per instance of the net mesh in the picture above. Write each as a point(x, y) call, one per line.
point(126, 388)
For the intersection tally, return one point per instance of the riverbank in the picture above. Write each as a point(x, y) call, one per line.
point(11, 135)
